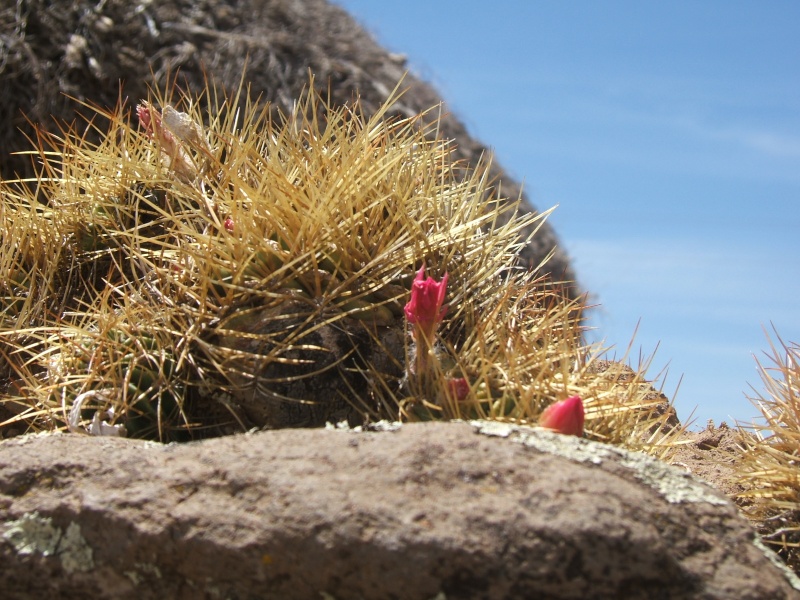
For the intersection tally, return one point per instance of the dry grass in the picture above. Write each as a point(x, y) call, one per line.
point(233, 270)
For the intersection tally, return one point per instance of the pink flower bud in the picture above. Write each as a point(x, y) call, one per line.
point(229, 224)
point(425, 307)
point(459, 388)
point(152, 122)
point(143, 112)
point(564, 417)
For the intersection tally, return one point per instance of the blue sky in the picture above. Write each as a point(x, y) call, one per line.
point(668, 134)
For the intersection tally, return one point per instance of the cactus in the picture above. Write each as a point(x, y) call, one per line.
point(207, 268)
point(766, 467)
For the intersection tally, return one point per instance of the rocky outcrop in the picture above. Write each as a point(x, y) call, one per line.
point(430, 510)
point(58, 56)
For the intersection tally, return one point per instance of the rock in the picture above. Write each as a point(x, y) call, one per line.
point(711, 455)
point(59, 55)
point(429, 510)
point(622, 373)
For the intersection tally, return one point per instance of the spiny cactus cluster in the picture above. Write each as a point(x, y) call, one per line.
point(206, 268)
point(768, 467)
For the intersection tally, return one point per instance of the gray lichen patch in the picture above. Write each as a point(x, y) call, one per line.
point(385, 426)
point(378, 426)
point(75, 553)
point(33, 534)
point(568, 446)
point(673, 485)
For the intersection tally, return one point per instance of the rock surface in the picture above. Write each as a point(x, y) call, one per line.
point(430, 510)
point(57, 55)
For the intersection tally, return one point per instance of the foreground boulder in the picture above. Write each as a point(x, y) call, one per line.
point(431, 510)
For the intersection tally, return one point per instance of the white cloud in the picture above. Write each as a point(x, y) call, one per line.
point(772, 143)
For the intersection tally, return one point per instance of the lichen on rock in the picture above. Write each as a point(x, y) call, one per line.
point(33, 534)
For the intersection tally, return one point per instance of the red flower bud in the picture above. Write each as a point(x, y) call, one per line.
point(459, 388)
point(565, 416)
point(229, 224)
point(425, 307)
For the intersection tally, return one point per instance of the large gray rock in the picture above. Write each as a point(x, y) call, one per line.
point(59, 54)
point(433, 510)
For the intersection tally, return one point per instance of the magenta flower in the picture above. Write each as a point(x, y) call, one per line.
point(564, 417)
point(425, 309)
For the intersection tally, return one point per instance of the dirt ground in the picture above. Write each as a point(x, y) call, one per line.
point(711, 455)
